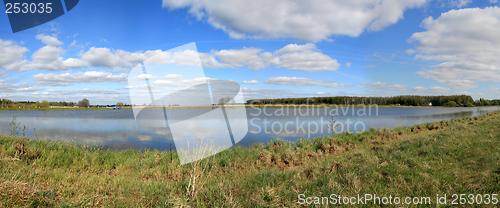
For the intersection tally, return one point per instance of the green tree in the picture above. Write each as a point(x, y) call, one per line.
point(44, 104)
point(84, 103)
point(451, 104)
point(409, 100)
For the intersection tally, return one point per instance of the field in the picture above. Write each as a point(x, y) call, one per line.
point(449, 157)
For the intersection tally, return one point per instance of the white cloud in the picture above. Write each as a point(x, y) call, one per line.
point(465, 43)
point(429, 90)
point(11, 87)
point(74, 63)
point(173, 76)
point(49, 40)
point(304, 57)
point(419, 88)
point(253, 81)
point(85, 77)
point(106, 57)
point(48, 57)
point(458, 3)
point(11, 54)
point(439, 90)
point(455, 3)
point(145, 76)
point(379, 88)
point(306, 20)
point(253, 58)
point(301, 81)
point(292, 56)
point(382, 86)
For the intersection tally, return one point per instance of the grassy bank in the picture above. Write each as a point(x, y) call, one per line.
point(459, 156)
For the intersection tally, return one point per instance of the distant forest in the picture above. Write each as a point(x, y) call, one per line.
point(84, 103)
point(407, 100)
point(6, 103)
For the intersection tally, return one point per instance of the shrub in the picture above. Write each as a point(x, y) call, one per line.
point(451, 104)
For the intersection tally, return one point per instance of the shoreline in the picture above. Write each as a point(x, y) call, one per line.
point(101, 147)
point(229, 106)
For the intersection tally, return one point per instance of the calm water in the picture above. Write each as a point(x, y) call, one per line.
point(119, 129)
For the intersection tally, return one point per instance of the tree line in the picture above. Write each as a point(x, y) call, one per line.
point(6, 103)
point(407, 100)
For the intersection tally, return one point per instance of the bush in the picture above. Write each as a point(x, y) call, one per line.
point(451, 104)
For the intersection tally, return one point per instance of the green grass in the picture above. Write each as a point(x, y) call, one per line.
point(459, 156)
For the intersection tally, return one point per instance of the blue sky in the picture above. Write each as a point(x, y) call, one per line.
point(375, 49)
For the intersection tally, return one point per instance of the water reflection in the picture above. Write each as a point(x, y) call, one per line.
point(118, 129)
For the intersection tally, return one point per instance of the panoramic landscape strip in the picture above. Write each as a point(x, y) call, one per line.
point(237, 103)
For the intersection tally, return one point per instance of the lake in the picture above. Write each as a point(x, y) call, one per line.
point(118, 128)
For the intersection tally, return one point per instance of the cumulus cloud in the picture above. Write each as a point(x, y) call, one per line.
point(377, 86)
point(253, 81)
point(49, 40)
point(461, 3)
point(304, 57)
point(306, 20)
point(7, 87)
point(453, 3)
point(106, 57)
point(465, 44)
point(11, 54)
point(302, 81)
point(253, 58)
point(171, 80)
point(48, 57)
point(429, 90)
point(85, 77)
